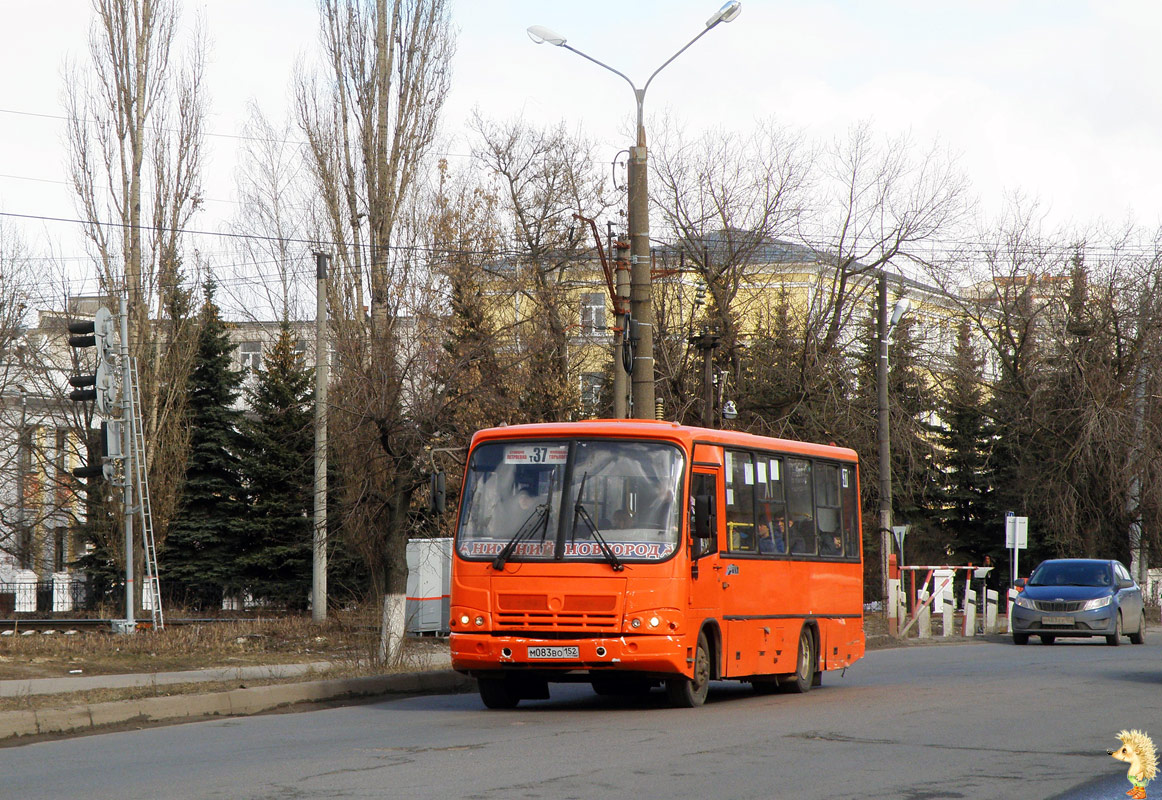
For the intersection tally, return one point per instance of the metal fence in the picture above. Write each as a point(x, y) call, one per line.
point(42, 597)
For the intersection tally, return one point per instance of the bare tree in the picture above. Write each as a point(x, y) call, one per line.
point(542, 179)
point(727, 200)
point(370, 122)
point(135, 140)
point(277, 216)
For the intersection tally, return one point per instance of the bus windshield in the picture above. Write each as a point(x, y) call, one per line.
point(622, 501)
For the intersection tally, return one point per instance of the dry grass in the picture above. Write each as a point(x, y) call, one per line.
point(347, 639)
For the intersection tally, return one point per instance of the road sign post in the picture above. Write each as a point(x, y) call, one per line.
point(1016, 537)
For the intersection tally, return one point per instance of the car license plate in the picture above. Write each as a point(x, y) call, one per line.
point(1056, 620)
point(554, 652)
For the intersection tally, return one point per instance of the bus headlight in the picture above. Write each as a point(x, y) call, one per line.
point(655, 622)
point(464, 619)
point(479, 621)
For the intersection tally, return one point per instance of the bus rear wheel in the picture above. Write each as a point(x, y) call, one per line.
point(804, 677)
point(691, 692)
point(497, 693)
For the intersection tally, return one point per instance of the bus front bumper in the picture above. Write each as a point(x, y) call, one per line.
point(662, 655)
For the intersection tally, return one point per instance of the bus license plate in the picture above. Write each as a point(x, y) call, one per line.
point(1056, 620)
point(554, 652)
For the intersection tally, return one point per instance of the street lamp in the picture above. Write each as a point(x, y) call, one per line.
point(886, 326)
point(641, 298)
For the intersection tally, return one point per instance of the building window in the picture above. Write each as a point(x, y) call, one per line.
point(591, 385)
point(593, 313)
point(250, 356)
point(60, 549)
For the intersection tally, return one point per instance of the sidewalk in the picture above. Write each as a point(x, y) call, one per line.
point(432, 677)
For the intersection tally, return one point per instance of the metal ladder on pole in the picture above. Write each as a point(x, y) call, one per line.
point(141, 483)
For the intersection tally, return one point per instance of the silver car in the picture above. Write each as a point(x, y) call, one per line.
point(1078, 597)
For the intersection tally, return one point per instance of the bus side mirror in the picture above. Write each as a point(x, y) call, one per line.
point(702, 508)
point(438, 498)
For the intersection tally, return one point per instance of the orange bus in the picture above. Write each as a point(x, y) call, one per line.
point(632, 553)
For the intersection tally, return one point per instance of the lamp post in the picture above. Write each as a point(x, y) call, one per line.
point(641, 297)
point(886, 326)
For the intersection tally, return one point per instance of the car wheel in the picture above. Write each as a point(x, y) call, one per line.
point(1048, 639)
point(1116, 639)
point(1020, 638)
point(691, 692)
point(804, 677)
point(497, 693)
point(1140, 636)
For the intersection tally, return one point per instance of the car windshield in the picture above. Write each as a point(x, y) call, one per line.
point(622, 502)
point(1064, 573)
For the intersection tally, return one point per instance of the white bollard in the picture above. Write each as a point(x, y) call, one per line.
point(901, 606)
point(891, 611)
point(949, 607)
point(924, 624)
point(1009, 611)
point(970, 613)
point(990, 610)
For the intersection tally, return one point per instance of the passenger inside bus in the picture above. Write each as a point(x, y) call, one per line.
point(803, 536)
point(769, 543)
point(622, 519)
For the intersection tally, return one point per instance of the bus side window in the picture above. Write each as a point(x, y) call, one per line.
point(827, 509)
point(705, 486)
point(800, 506)
point(740, 497)
point(850, 510)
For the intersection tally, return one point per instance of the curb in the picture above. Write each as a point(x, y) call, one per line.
point(231, 703)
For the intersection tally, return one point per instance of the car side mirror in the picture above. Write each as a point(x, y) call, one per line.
point(1125, 584)
point(703, 504)
point(1019, 583)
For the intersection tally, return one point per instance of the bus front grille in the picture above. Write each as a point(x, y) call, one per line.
point(563, 612)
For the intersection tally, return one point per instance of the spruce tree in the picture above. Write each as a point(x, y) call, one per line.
point(206, 538)
point(964, 439)
point(278, 466)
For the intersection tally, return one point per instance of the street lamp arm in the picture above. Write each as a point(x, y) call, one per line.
point(601, 64)
point(671, 58)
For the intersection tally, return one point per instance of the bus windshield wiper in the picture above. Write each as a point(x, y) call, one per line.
point(580, 512)
point(538, 517)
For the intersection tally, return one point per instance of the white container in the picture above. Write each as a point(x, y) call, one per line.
point(429, 586)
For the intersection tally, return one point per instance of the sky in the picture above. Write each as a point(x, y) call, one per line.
point(1058, 100)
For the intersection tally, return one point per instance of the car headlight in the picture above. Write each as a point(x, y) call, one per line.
point(1024, 602)
point(1100, 602)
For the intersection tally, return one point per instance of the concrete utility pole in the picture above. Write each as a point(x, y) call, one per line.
point(620, 301)
point(322, 369)
point(884, 327)
point(641, 281)
point(130, 464)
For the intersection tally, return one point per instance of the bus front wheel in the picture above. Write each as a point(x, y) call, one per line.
point(691, 692)
point(497, 693)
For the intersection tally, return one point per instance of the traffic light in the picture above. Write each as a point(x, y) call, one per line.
point(98, 387)
point(110, 446)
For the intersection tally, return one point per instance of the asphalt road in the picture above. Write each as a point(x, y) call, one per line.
point(943, 721)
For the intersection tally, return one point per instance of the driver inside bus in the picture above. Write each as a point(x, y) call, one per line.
point(622, 519)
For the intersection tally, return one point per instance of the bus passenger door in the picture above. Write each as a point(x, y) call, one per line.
point(705, 571)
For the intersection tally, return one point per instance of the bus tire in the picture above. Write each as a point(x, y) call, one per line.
point(497, 693)
point(691, 692)
point(804, 676)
